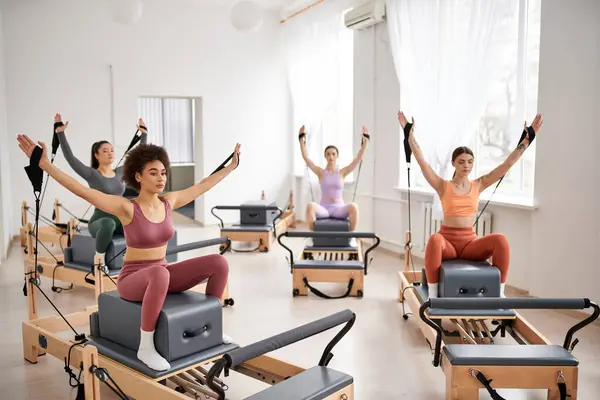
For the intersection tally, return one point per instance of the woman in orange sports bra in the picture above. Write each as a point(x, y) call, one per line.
point(460, 199)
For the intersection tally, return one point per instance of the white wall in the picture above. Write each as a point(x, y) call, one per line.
point(58, 57)
point(566, 230)
point(6, 207)
point(553, 248)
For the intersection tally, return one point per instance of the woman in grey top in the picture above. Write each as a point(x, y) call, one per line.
point(102, 177)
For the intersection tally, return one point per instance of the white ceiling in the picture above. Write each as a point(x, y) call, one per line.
point(277, 5)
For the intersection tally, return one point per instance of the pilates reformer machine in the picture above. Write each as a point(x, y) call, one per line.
point(330, 258)
point(455, 325)
point(532, 363)
point(188, 334)
point(260, 220)
point(55, 233)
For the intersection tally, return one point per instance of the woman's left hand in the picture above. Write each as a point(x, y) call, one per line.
point(365, 133)
point(236, 156)
point(142, 127)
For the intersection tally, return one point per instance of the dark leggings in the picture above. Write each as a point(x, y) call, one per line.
point(103, 228)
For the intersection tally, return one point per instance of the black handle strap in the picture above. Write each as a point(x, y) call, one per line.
point(325, 296)
point(34, 172)
point(486, 383)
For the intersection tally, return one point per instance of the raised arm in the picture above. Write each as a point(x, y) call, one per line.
point(302, 138)
point(182, 197)
point(143, 140)
point(363, 148)
point(115, 205)
point(431, 177)
point(492, 177)
point(80, 168)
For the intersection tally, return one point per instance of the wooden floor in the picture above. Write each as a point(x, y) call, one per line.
point(387, 356)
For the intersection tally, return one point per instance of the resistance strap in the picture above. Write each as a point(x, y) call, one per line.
point(55, 145)
point(312, 196)
point(407, 155)
point(529, 132)
point(136, 138)
point(323, 295)
point(365, 135)
point(36, 176)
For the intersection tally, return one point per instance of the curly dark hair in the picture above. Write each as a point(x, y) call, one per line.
point(138, 157)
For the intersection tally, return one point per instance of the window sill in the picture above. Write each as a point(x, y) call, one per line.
point(522, 203)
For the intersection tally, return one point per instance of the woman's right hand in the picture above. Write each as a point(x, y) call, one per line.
point(27, 146)
point(302, 134)
point(58, 119)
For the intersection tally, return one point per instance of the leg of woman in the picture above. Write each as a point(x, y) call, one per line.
point(438, 249)
point(187, 274)
point(494, 245)
point(149, 284)
point(315, 211)
point(103, 230)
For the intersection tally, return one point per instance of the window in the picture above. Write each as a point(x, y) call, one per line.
point(512, 100)
point(322, 85)
point(171, 124)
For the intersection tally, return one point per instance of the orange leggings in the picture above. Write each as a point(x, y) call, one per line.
point(450, 243)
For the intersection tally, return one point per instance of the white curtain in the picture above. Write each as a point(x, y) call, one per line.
point(311, 45)
point(443, 55)
point(170, 123)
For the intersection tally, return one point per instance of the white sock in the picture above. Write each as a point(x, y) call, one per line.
point(433, 290)
point(101, 257)
point(502, 289)
point(148, 355)
point(227, 339)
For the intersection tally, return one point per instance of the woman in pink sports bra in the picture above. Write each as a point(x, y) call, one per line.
point(147, 224)
point(331, 179)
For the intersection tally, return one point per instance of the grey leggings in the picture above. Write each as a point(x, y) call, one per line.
point(103, 228)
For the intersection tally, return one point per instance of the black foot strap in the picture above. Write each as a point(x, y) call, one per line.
point(323, 295)
point(562, 386)
point(486, 383)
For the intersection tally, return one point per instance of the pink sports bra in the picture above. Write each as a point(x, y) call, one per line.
point(141, 233)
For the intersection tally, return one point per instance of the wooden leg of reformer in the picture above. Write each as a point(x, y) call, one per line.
point(266, 240)
point(91, 383)
point(298, 284)
point(454, 390)
point(99, 275)
point(407, 251)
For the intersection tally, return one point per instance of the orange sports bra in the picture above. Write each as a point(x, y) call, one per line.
point(460, 205)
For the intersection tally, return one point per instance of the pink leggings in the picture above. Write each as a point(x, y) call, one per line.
point(150, 281)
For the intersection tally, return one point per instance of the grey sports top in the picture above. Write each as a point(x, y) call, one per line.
point(92, 176)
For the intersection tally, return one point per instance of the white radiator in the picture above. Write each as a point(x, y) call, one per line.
point(432, 225)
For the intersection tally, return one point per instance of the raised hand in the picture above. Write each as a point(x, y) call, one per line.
point(27, 146)
point(58, 120)
point(404, 122)
point(236, 156)
point(301, 133)
point(537, 123)
point(142, 127)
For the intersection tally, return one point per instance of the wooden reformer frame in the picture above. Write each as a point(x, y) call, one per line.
point(41, 337)
point(329, 275)
point(47, 234)
point(461, 383)
point(286, 220)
